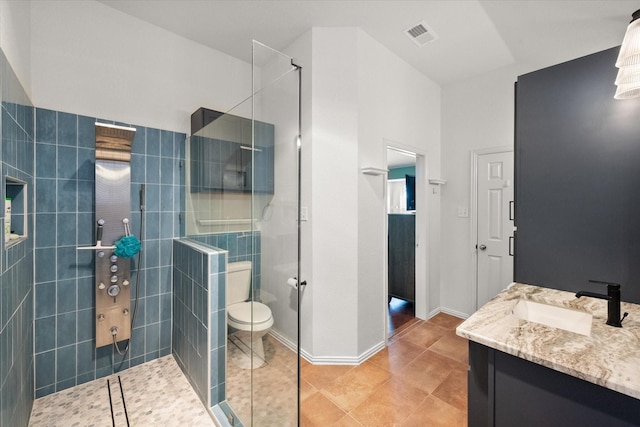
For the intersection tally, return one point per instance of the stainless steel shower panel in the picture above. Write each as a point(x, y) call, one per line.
point(114, 142)
point(113, 274)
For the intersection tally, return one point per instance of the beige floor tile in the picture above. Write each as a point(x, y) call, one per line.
point(306, 390)
point(423, 334)
point(453, 346)
point(318, 411)
point(446, 321)
point(348, 421)
point(353, 388)
point(398, 354)
point(389, 405)
point(453, 389)
point(428, 371)
point(320, 376)
point(433, 412)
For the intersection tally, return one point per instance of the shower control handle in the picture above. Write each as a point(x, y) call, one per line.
point(113, 290)
point(99, 232)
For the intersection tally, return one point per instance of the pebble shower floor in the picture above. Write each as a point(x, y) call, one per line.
point(156, 394)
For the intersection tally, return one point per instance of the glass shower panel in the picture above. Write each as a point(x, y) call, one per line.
point(219, 207)
point(276, 184)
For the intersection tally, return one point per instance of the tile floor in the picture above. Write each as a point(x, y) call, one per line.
point(420, 379)
point(401, 316)
point(274, 385)
point(156, 394)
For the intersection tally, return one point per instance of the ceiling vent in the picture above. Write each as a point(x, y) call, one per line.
point(421, 33)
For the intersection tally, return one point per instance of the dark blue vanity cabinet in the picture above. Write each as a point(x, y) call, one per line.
point(507, 391)
point(223, 158)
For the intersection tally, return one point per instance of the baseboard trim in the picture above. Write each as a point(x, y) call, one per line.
point(343, 360)
point(447, 311)
point(326, 360)
point(351, 360)
point(285, 341)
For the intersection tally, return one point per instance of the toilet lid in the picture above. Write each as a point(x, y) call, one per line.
point(241, 312)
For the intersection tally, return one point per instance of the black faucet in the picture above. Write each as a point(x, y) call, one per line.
point(613, 302)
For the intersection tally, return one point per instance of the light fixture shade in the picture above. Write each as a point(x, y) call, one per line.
point(628, 75)
point(628, 62)
point(630, 50)
point(627, 91)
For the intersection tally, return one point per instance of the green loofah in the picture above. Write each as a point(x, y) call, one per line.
point(127, 247)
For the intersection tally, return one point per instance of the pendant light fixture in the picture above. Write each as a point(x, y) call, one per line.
point(628, 79)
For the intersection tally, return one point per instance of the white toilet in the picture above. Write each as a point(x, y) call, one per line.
point(246, 329)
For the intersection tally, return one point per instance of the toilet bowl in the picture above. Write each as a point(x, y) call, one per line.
point(248, 321)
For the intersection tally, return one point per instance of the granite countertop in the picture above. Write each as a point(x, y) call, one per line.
point(609, 357)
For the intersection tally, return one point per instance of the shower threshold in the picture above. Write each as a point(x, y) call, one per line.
point(155, 393)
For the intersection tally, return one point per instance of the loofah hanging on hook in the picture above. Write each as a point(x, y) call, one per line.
point(129, 245)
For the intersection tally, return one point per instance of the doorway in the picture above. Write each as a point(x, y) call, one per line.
point(405, 289)
point(492, 221)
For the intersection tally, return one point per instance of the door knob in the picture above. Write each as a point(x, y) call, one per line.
point(482, 247)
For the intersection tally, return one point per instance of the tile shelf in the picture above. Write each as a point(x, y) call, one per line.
point(16, 190)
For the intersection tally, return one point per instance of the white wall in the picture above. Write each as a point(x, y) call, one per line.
point(301, 50)
point(334, 188)
point(15, 38)
point(395, 103)
point(356, 96)
point(90, 59)
point(476, 113)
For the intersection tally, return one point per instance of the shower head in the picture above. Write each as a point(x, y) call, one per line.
point(114, 142)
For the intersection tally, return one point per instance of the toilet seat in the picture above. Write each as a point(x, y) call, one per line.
point(240, 313)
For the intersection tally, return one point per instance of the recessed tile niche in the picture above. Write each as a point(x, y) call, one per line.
point(16, 191)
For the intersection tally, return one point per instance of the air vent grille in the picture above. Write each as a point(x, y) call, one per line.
point(421, 34)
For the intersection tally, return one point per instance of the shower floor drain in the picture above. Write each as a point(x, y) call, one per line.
point(117, 403)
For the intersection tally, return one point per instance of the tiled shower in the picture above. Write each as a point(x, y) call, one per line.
point(47, 285)
point(16, 258)
point(64, 217)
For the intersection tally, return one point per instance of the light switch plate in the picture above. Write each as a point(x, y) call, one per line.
point(463, 212)
point(304, 213)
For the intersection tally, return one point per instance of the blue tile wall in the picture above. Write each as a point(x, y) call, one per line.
point(65, 353)
point(16, 260)
point(199, 321)
point(242, 246)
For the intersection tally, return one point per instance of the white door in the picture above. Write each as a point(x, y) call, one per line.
point(495, 224)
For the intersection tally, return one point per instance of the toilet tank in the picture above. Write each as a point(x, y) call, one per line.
point(238, 281)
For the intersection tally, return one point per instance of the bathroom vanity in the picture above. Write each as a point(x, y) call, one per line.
point(525, 373)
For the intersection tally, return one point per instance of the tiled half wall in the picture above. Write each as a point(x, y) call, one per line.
point(199, 318)
point(242, 246)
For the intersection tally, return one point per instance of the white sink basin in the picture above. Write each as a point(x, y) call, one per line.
point(554, 316)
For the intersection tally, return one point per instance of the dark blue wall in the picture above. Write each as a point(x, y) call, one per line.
point(577, 175)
